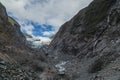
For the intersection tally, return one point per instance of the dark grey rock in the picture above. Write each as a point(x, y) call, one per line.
point(92, 38)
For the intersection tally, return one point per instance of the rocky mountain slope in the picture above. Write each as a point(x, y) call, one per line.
point(89, 43)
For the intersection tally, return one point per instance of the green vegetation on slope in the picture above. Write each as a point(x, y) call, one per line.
point(12, 21)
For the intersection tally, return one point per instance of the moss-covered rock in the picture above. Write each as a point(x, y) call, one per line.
point(12, 21)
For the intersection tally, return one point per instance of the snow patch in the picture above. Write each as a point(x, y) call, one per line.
point(60, 66)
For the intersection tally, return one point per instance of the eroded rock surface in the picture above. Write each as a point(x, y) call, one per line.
point(92, 39)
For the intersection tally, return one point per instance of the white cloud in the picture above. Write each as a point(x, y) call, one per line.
point(52, 12)
point(48, 33)
point(25, 27)
point(28, 29)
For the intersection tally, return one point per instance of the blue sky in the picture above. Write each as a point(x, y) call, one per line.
point(38, 30)
point(43, 18)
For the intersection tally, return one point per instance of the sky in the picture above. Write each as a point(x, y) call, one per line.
point(43, 18)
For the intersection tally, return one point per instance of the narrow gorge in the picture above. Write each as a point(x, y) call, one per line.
point(87, 47)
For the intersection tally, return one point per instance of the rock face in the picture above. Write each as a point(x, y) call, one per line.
point(90, 42)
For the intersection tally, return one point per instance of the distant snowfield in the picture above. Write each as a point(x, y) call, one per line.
point(38, 42)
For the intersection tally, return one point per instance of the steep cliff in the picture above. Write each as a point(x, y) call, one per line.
point(11, 37)
point(89, 42)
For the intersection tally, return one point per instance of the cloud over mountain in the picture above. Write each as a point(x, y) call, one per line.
point(43, 12)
